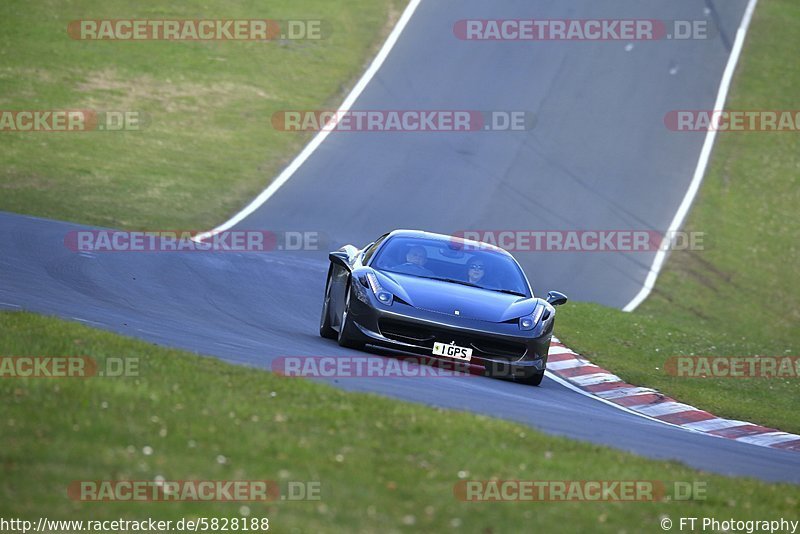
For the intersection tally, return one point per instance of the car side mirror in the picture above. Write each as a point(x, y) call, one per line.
point(555, 298)
point(340, 257)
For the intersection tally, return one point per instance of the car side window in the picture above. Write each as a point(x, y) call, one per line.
point(371, 250)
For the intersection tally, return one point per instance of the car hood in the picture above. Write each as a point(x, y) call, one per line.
point(447, 297)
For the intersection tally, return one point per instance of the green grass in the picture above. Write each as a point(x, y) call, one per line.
point(740, 296)
point(382, 465)
point(208, 146)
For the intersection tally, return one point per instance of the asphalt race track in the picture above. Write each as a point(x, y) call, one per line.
point(589, 163)
point(598, 158)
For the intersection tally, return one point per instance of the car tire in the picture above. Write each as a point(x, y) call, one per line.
point(325, 329)
point(346, 324)
point(532, 379)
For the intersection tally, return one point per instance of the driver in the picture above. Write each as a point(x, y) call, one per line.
point(416, 258)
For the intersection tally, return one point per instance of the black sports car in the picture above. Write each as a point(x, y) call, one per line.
point(441, 296)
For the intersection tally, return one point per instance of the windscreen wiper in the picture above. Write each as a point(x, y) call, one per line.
point(509, 291)
point(453, 281)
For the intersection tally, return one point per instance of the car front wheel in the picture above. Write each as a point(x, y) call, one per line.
point(346, 325)
point(325, 329)
point(531, 378)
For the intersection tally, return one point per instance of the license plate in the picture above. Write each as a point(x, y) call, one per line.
point(452, 351)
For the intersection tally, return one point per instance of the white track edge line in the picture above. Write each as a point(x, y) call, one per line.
point(569, 385)
point(702, 163)
point(317, 140)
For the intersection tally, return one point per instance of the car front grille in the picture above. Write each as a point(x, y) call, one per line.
point(425, 336)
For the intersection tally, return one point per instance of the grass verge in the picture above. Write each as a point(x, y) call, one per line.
point(382, 465)
point(207, 146)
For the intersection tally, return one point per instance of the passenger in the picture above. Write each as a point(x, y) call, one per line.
point(476, 271)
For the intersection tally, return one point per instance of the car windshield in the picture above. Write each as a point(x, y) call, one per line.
point(453, 262)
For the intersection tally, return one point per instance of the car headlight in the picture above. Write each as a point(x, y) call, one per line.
point(529, 322)
point(383, 296)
